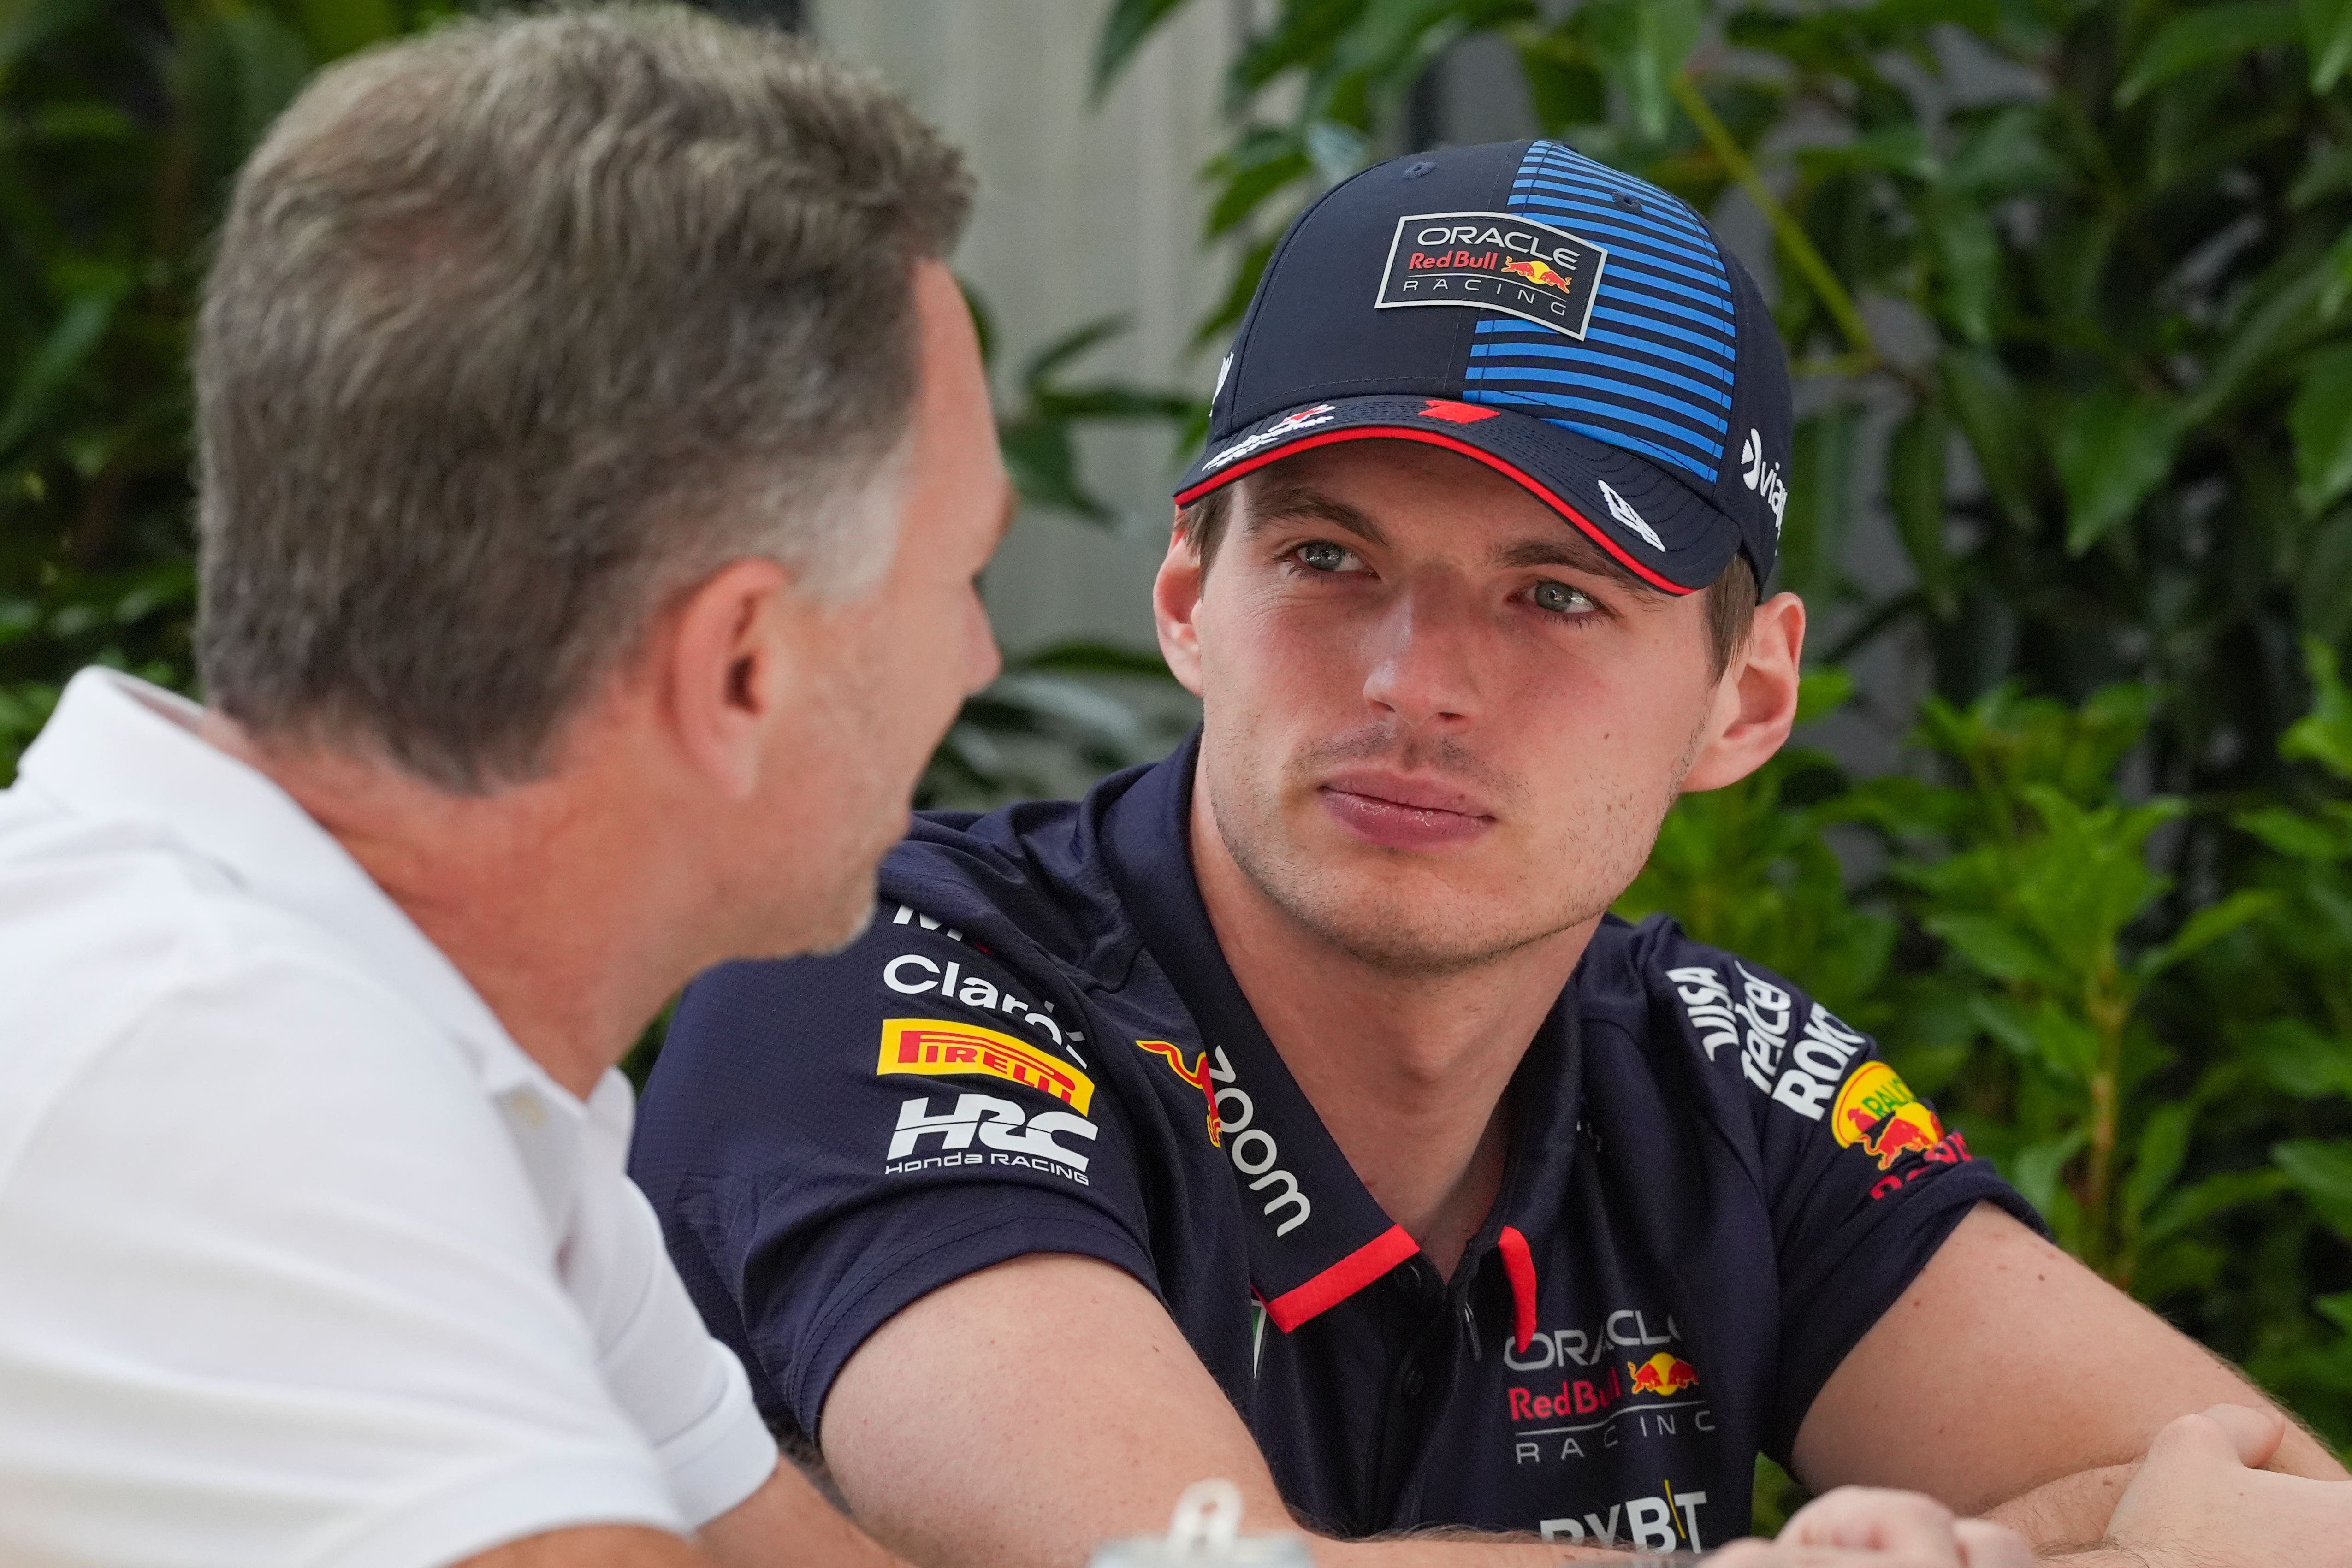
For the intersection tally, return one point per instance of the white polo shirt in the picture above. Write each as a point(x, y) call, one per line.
point(302, 1260)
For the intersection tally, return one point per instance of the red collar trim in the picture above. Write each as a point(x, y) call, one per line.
point(1343, 1278)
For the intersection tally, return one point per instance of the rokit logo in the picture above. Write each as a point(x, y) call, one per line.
point(1651, 1523)
point(1763, 477)
point(1011, 1137)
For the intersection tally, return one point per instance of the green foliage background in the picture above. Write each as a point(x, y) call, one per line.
point(2069, 283)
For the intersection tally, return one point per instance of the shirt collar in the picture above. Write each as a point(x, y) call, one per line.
point(1302, 1263)
point(120, 749)
point(1346, 1241)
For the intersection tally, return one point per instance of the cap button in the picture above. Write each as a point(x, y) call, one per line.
point(1414, 171)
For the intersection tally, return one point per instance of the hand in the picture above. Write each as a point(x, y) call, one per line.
point(2198, 1500)
point(1865, 1527)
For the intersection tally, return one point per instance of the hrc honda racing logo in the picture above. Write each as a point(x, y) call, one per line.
point(1009, 1137)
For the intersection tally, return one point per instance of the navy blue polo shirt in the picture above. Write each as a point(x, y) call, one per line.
point(1713, 1186)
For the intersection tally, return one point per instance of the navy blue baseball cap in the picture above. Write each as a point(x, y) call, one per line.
point(1575, 328)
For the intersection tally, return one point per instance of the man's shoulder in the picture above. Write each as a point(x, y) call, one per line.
point(1679, 999)
point(1032, 877)
point(112, 937)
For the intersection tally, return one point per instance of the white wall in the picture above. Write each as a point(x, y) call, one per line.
point(1083, 212)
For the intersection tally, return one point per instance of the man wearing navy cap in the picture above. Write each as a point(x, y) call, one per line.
point(1293, 1111)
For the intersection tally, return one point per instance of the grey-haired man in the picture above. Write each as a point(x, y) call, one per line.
point(595, 464)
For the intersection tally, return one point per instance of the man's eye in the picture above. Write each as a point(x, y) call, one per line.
point(1562, 599)
point(1321, 555)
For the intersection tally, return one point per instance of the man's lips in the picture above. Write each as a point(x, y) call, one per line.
point(1400, 813)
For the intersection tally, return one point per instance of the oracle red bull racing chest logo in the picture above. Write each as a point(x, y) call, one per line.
point(1494, 261)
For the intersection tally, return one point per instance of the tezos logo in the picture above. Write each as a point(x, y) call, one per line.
point(1622, 510)
point(1012, 1137)
point(1763, 477)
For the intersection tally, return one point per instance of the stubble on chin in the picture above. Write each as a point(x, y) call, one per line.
point(1392, 926)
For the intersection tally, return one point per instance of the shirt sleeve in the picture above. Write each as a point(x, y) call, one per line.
point(827, 1140)
point(274, 1270)
point(680, 1387)
point(1862, 1179)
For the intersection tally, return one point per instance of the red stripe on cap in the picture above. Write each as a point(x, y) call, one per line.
point(1341, 1280)
point(1432, 438)
point(1519, 1265)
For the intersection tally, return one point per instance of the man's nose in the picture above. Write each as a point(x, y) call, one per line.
point(1423, 664)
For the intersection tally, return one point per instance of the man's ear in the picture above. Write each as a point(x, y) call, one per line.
point(1176, 607)
point(1756, 700)
point(724, 667)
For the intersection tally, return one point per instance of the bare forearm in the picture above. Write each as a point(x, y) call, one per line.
point(2069, 1513)
point(788, 1523)
point(1460, 1549)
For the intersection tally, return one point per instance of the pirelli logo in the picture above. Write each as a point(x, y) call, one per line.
point(938, 1048)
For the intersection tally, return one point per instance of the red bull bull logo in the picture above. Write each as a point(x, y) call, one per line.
point(1538, 273)
point(1878, 1110)
point(1197, 1075)
point(1664, 1375)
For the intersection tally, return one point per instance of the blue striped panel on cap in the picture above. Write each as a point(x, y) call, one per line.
point(1653, 373)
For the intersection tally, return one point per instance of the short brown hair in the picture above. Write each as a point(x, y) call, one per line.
point(1730, 599)
point(518, 326)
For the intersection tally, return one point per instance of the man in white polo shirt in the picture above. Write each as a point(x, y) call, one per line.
point(595, 464)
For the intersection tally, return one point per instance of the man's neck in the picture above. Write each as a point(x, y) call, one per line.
point(1407, 1072)
point(544, 900)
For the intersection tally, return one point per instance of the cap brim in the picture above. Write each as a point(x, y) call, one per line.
point(1657, 528)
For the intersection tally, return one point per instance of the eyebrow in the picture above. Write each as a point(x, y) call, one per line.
point(1294, 502)
point(1291, 503)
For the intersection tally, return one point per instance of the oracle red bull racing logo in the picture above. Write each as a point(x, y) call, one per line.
point(1505, 261)
point(1664, 1375)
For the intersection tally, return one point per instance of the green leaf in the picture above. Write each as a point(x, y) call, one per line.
point(1089, 658)
point(1915, 494)
point(2322, 1172)
point(2321, 421)
point(1564, 88)
point(1642, 45)
point(2035, 1169)
point(2325, 733)
point(2296, 1057)
point(26, 25)
point(2114, 447)
point(1994, 946)
point(1821, 501)
point(2205, 927)
point(2326, 40)
point(1124, 30)
point(2294, 834)
point(2163, 1148)
point(1820, 693)
point(80, 326)
point(1991, 415)
point(1968, 260)
point(2196, 1204)
point(2206, 34)
point(338, 28)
